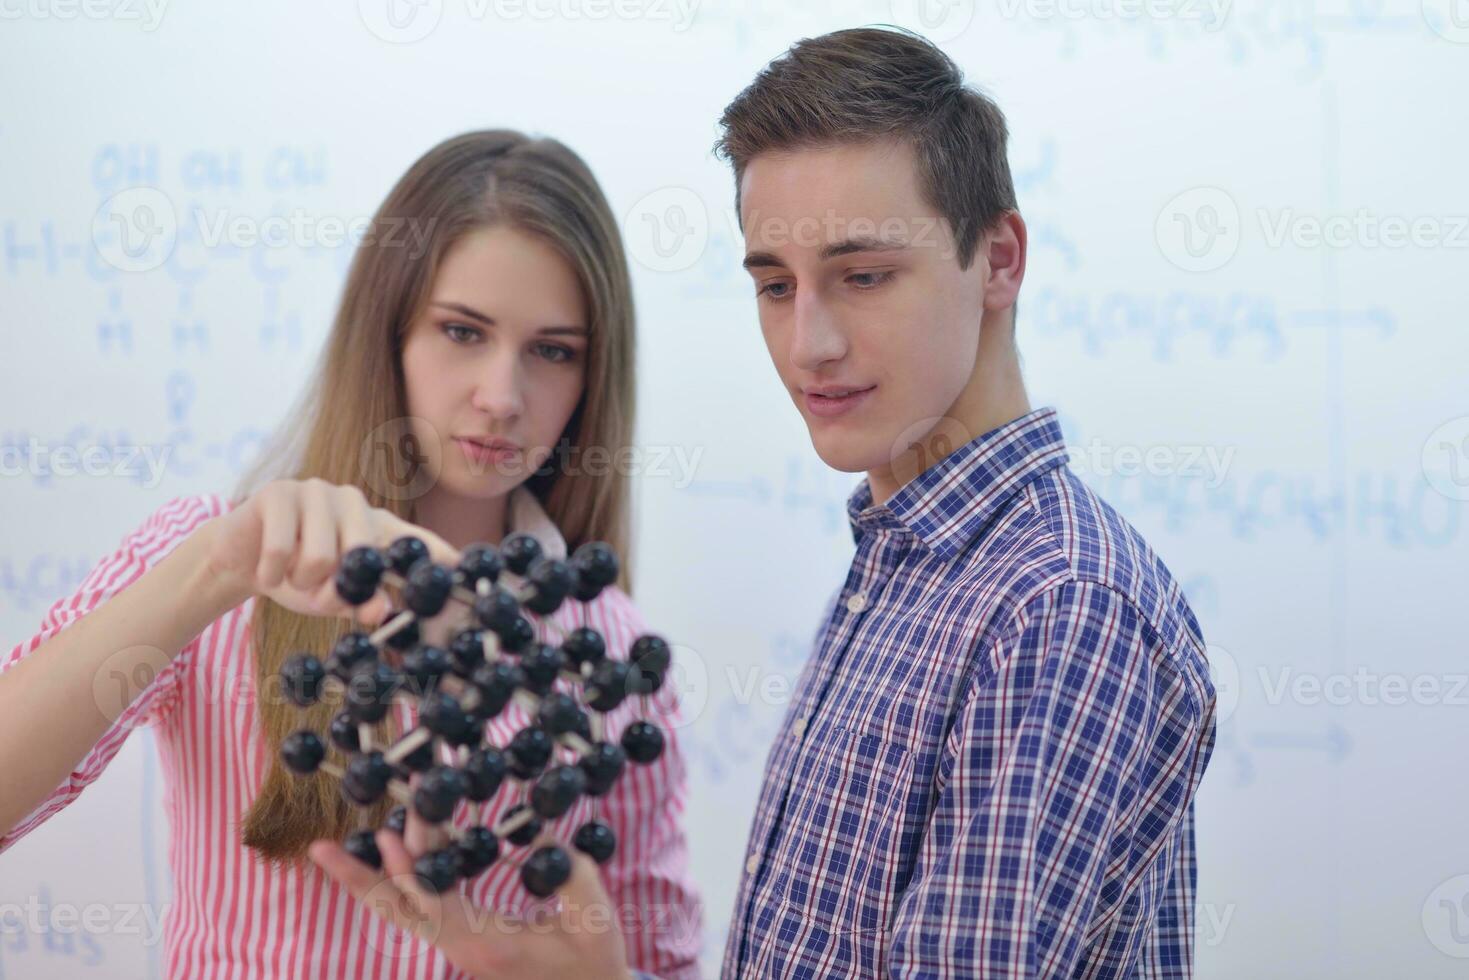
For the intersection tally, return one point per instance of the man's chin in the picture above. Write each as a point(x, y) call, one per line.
point(848, 455)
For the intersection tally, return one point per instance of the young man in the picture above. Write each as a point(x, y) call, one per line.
point(988, 766)
point(989, 763)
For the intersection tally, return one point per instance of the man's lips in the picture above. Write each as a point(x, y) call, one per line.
point(830, 401)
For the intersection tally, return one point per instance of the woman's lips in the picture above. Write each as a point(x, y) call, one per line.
point(831, 406)
point(483, 455)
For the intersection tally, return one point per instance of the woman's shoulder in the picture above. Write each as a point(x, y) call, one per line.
point(171, 522)
point(122, 564)
point(186, 511)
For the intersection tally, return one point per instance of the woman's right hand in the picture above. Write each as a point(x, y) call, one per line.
point(286, 541)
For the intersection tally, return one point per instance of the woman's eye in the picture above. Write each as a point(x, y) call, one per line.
point(869, 280)
point(460, 334)
point(555, 353)
point(775, 290)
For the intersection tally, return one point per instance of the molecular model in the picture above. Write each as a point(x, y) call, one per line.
point(558, 758)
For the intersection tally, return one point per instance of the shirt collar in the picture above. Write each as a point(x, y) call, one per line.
point(528, 516)
point(947, 504)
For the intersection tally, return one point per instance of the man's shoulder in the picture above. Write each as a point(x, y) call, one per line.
point(1059, 533)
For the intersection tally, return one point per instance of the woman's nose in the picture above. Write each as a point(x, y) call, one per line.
point(497, 391)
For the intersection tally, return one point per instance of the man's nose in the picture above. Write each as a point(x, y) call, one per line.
point(818, 337)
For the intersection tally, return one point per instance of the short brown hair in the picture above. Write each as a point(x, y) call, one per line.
point(870, 83)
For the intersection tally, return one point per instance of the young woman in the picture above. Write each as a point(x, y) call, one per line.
point(485, 335)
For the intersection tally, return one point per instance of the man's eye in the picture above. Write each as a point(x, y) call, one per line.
point(775, 290)
point(870, 280)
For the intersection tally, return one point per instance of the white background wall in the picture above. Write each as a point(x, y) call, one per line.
point(1170, 163)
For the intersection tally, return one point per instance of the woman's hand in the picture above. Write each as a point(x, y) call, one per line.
point(286, 541)
point(580, 939)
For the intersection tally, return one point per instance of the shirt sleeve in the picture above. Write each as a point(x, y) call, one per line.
point(1168, 952)
point(139, 551)
point(658, 906)
point(1063, 794)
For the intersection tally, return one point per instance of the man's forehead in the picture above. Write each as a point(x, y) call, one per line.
point(830, 194)
point(851, 181)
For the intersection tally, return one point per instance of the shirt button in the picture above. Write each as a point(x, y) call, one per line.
point(799, 727)
point(856, 602)
point(752, 865)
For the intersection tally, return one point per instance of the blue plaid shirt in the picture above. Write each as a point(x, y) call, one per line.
point(989, 764)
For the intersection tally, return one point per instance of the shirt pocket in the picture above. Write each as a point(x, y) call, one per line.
point(839, 858)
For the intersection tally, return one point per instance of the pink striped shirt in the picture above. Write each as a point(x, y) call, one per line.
point(234, 915)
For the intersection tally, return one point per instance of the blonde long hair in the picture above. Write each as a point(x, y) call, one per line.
point(357, 402)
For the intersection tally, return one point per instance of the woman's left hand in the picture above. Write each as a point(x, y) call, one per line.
point(581, 938)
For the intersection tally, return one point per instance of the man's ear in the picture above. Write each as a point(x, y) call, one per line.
point(1001, 253)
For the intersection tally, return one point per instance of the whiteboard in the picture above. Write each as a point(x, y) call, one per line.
point(1248, 240)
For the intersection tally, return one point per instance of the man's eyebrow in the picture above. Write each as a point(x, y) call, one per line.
point(862, 243)
point(760, 260)
point(849, 246)
point(489, 321)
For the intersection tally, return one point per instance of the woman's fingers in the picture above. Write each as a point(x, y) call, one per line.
point(325, 602)
point(316, 555)
point(443, 920)
point(420, 836)
point(375, 610)
point(354, 520)
point(355, 530)
point(393, 893)
point(397, 858)
point(356, 877)
point(308, 525)
point(278, 521)
point(439, 630)
point(394, 527)
point(484, 942)
point(420, 905)
point(583, 890)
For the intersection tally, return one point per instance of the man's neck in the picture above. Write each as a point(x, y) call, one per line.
point(994, 395)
